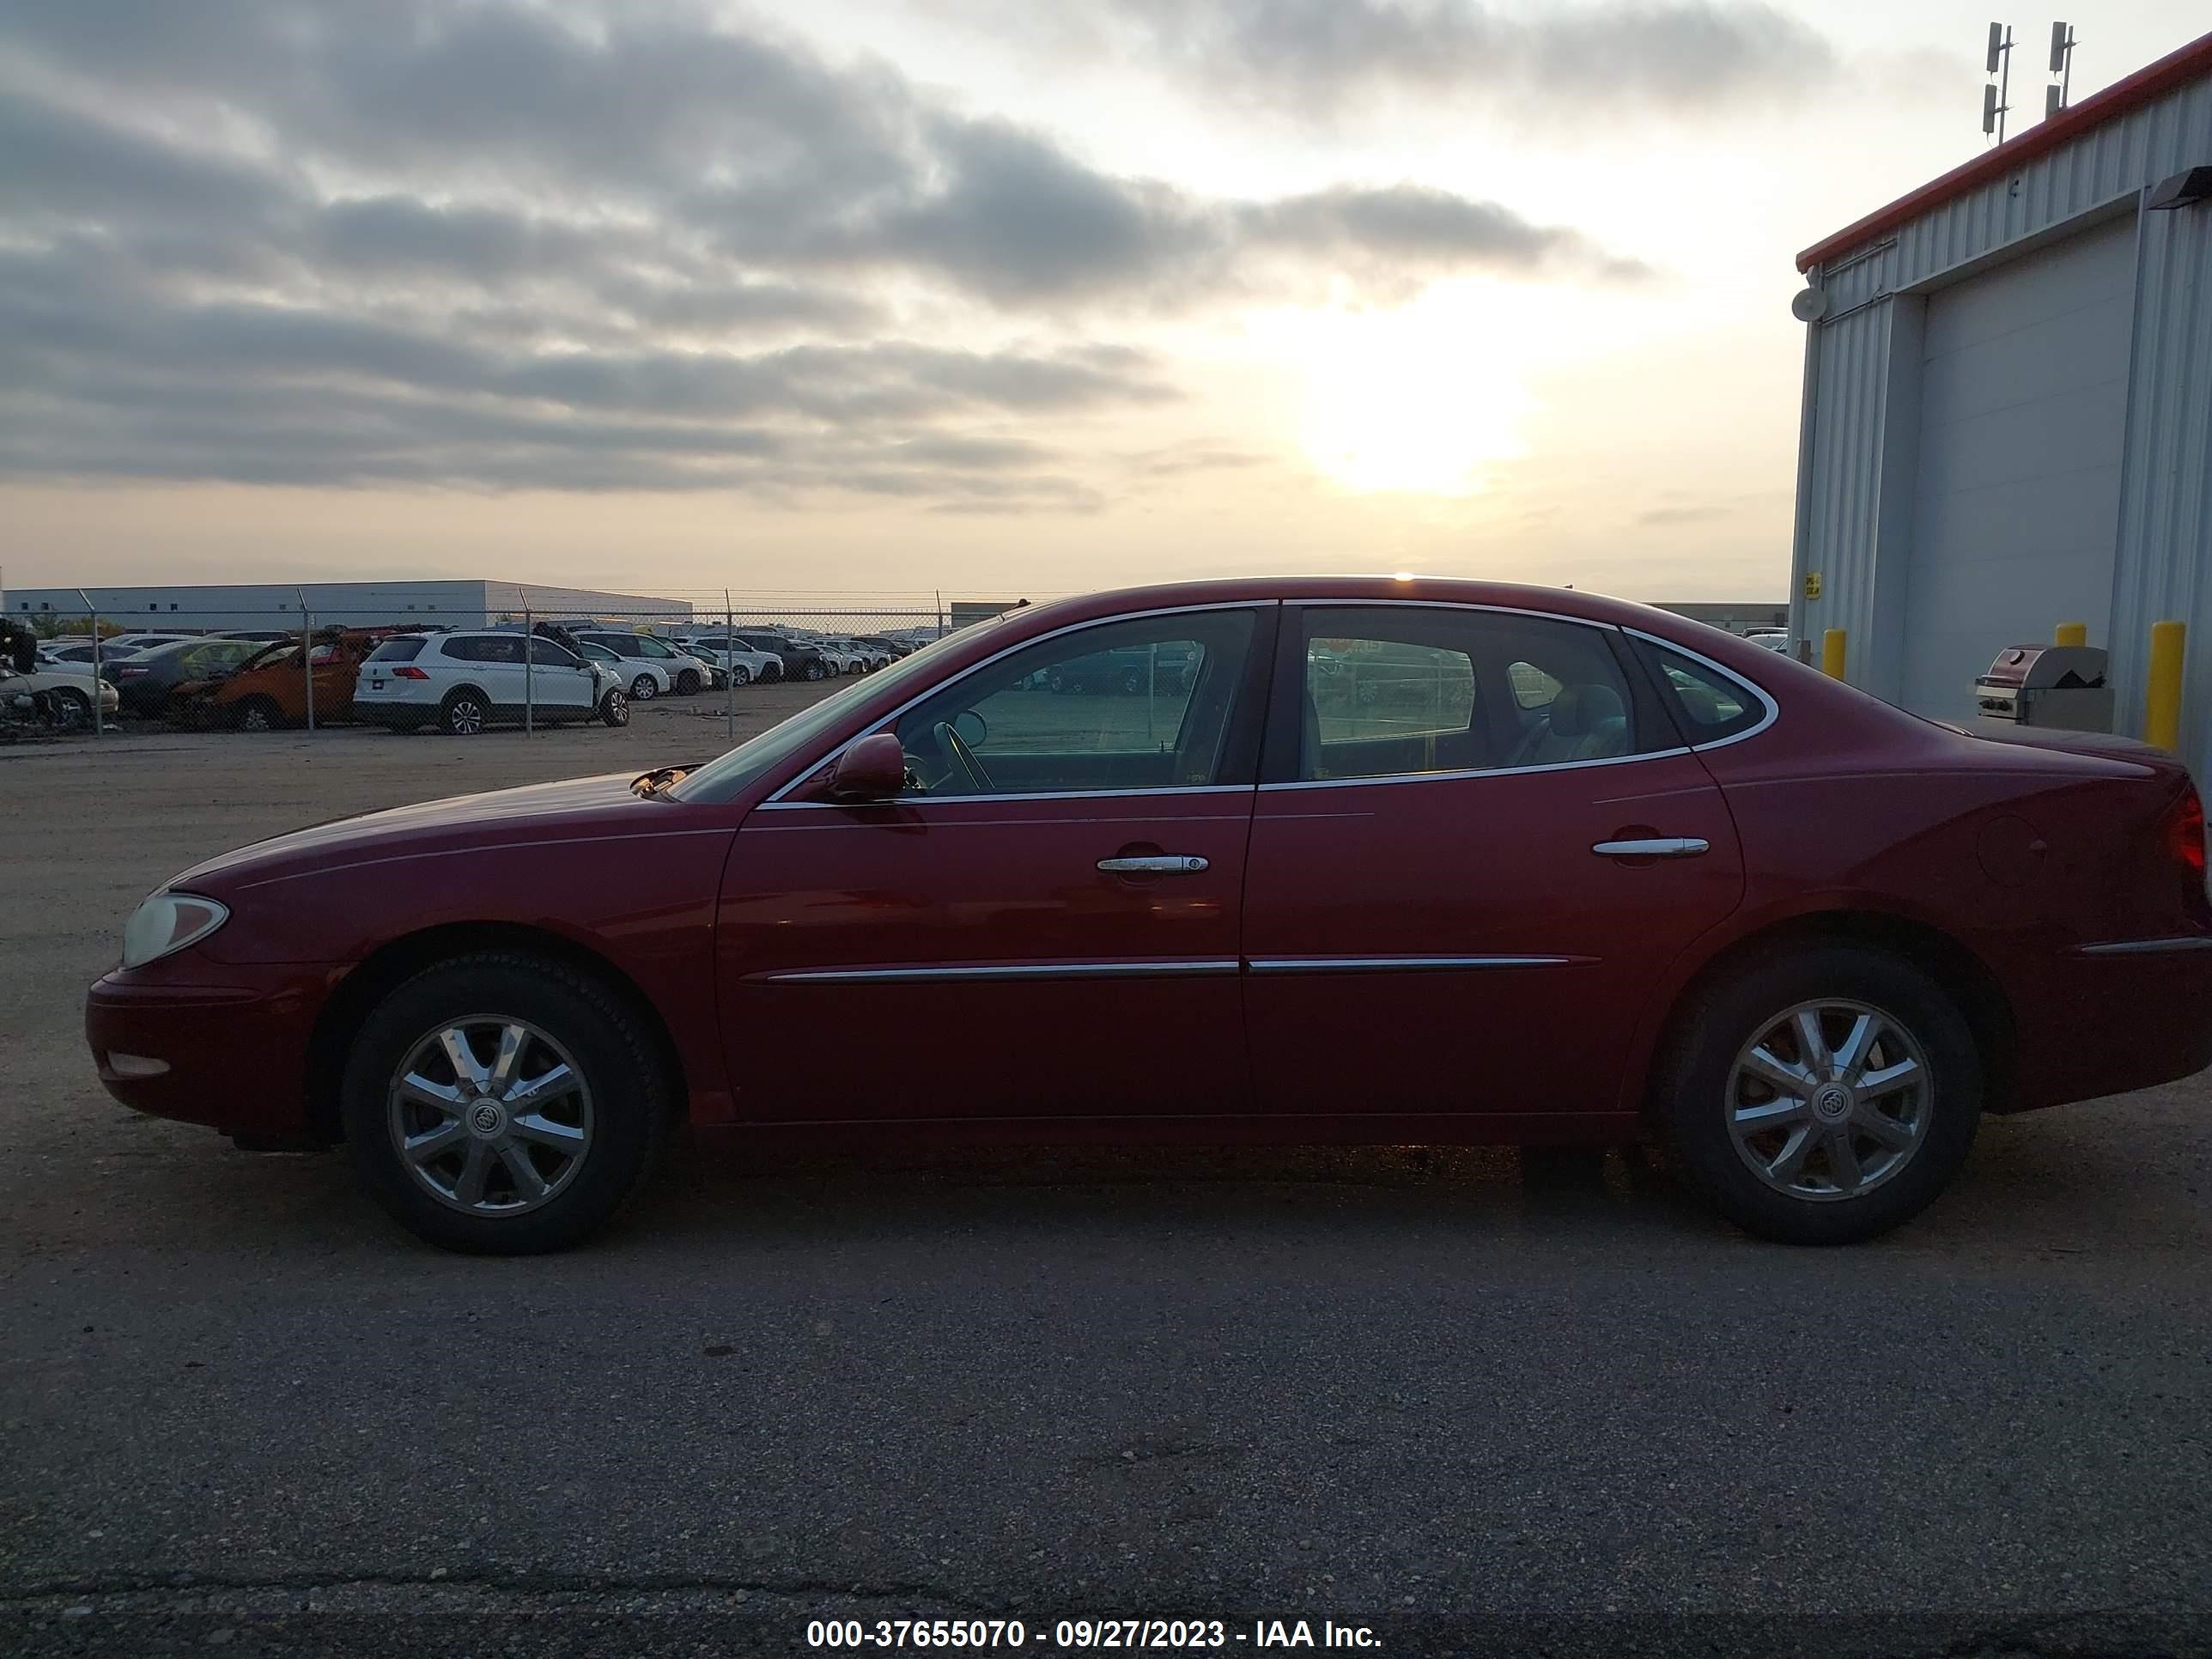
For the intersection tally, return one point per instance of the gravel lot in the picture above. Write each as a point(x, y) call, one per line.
point(1475, 1407)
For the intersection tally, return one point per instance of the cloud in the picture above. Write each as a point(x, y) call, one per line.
point(1544, 61)
point(489, 243)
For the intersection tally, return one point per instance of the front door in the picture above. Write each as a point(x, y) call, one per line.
point(1045, 924)
point(1478, 837)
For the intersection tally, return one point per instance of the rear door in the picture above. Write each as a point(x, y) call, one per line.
point(1045, 923)
point(1477, 834)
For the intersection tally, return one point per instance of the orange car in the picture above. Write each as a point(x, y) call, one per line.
point(269, 691)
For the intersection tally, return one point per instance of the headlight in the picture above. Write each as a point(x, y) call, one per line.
point(166, 923)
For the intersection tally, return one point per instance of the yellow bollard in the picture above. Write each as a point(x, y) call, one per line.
point(1831, 654)
point(2162, 696)
point(2070, 634)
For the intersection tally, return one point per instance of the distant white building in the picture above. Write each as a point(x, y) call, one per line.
point(204, 608)
point(2008, 376)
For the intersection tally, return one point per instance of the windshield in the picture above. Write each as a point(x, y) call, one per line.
point(724, 776)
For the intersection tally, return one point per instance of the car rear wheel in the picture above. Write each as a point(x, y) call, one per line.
point(687, 682)
point(614, 709)
point(1823, 1097)
point(259, 715)
point(740, 675)
point(464, 713)
point(502, 1104)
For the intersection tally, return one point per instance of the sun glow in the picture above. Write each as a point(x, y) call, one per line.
point(1421, 399)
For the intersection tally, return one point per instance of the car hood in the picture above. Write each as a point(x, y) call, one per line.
point(538, 812)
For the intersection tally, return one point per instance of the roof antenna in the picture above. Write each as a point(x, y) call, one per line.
point(2056, 98)
point(1996, 99)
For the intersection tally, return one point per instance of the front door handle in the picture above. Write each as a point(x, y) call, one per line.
point(1159, 864)
point(1656, 847)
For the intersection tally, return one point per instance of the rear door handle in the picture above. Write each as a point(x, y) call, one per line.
point(1159, 864)
point(1657, 847)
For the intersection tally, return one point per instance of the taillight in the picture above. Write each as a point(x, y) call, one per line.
point(2184, 840)
point(408, 671)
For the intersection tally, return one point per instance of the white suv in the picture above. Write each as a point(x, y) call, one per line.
point(652, 662)
point(463, 682)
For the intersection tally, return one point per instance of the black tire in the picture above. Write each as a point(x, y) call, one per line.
point(72, 708)
point(644, 689)
point(1725, 1017)
point(465, 712)
point(614, 709)
point(771, 671)
point(259, 715)
point(631, 1103)
point(687, 682)
point(817, 669)
point(740, 675)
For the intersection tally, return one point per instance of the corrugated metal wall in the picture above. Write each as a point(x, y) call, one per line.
point(2165, 534)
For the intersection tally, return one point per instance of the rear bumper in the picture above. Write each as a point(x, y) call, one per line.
point(212, 1043)
point(2113, 1018)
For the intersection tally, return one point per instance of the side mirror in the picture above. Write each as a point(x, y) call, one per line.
point(873, 769)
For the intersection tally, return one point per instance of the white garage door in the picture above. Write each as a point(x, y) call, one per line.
point(2023, 406)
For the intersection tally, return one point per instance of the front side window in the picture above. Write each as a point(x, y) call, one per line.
point(1404, 690)
point(1143, 704)
point(547, 655)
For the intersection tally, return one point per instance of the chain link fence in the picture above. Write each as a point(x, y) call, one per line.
point(277, 665)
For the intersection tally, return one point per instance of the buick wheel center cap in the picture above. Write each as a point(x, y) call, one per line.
point(487, 1118)
point(1831, 1102)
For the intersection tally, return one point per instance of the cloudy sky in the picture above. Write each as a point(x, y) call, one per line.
point(1026, 295)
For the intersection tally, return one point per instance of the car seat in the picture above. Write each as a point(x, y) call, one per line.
point(1584, 722)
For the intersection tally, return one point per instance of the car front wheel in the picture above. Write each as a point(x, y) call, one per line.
point(642, 689)
point(687, 682)
point(500, 1103)
point(1823, 1097)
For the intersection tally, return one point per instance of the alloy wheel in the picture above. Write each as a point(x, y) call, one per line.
point(464, 717)
point(489, 1115)
point(642, 689)
point(1829, 1100)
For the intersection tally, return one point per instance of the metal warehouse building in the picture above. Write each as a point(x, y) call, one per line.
point(2007, 407)
point(278, 605)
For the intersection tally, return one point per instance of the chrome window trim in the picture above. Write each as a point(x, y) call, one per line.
point(973, 668)
point(1196, 968)
point(2146, 947)
point(1414, 964)
point(1773, 709)
point(1477, 772)
point(1002, 800)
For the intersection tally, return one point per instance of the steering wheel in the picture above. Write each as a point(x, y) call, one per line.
point(956, 747)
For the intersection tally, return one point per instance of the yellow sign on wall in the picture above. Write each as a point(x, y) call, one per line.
point(1812, 584)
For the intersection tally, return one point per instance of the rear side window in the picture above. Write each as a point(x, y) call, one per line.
point(1709, 704)
point(397, 651)
point(1404, 690)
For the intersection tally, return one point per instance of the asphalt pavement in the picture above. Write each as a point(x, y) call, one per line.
point(1460, 1405)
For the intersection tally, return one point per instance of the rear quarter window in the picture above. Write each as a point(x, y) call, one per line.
point(397, 651)
point(1708, 704)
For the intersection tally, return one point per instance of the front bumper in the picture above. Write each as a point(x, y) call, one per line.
point(231, 1041)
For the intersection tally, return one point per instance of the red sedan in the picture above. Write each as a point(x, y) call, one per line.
point(1330, 860)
